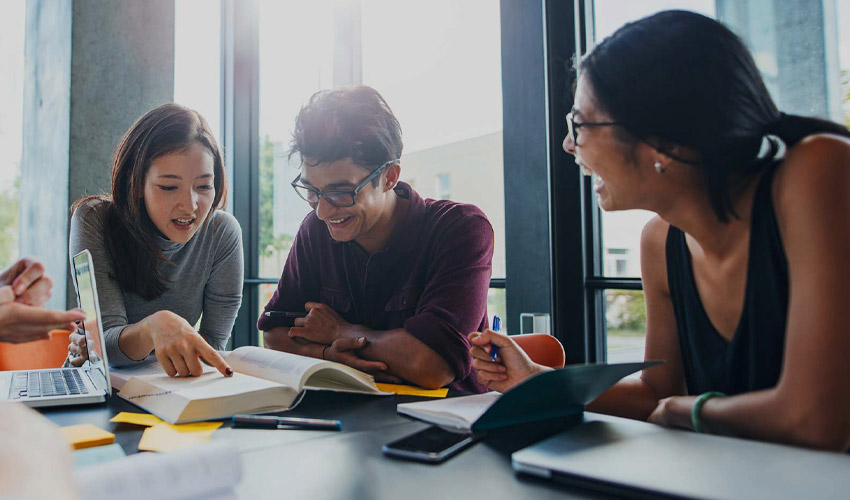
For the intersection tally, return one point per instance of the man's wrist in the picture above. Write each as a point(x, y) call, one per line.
point(349, 331)
point(316, 350)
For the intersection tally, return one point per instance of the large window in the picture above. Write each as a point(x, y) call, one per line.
point(803, 52)
point(197, 59)
point(443, 84)
point(12, 25)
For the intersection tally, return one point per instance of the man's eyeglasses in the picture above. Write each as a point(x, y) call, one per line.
point(573, 125)
point(337, 198)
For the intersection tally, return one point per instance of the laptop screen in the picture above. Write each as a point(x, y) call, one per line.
point(86, 294)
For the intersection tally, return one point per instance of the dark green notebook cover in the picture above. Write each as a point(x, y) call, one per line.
point(555, 394)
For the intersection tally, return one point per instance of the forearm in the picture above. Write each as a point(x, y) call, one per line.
point(135, 342)
point(629, 398)
point(767, 415)
point(406, 356)
point(279, 340)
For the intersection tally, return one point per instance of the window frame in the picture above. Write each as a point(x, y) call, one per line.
point(562, 247)
point(241, 142)
point(579, 281)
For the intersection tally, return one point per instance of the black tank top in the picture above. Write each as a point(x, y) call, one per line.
point(753, 359)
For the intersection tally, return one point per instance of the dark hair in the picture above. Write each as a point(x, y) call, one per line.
point(681, 78)
point(129, 234)
point(350, 122)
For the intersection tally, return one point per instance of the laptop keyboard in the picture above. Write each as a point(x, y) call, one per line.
point(48, 383)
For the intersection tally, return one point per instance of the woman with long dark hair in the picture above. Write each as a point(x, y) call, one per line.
point(745, 268)
point(165, 255)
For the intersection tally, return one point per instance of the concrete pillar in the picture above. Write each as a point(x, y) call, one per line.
point(93, 67)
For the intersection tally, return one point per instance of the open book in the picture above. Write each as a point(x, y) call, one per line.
point(547, 396)
point(210, 471)
point(263, 381)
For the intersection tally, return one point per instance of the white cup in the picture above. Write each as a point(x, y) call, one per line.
point(535, 323)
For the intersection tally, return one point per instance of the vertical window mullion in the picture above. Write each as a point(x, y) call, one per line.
point(240, 119)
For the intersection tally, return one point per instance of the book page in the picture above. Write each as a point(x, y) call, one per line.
point(207, 386)
point(281, 367)
point(150, 366)
point(205, 471)
point(341, 378)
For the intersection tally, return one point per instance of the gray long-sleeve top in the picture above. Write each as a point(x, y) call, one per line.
point(206, 278)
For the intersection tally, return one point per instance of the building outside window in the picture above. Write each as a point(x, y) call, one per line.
point(444, 191)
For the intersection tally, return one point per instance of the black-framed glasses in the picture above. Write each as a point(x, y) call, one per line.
point(336, 197)
point(573, 125)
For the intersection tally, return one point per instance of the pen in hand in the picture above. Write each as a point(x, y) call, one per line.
point(497, 325)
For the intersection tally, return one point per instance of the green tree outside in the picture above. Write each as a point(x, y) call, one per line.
point(273, 248)
point(626, 312)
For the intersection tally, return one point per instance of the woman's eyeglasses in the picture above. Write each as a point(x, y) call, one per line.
point(573, 126)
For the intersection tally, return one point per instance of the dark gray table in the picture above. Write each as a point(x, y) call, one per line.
point(349, 464)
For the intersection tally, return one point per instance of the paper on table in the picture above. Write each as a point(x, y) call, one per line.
point(97, 455)
point(86, 436)
point(258, 439)
point(454, 412)
point(412, 390)
point(209, 471)
point(149, 420)
point(145, 419)
point(163, 437)
point(196, 428)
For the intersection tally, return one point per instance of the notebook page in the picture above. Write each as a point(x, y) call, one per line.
point(205, 471)
point(459, 412)
point(281, 367)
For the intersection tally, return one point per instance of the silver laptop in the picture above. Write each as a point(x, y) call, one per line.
point(68, 386)
point(636, 459)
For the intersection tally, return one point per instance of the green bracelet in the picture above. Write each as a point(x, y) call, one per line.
point(697, 408)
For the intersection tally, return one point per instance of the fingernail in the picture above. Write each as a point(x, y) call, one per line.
point(361, 339)
point(19, 289)
point(228, 372)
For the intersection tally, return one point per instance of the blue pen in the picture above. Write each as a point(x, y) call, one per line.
point(497, 325)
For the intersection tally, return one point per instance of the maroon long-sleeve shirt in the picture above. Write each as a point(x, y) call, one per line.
point(431, 280)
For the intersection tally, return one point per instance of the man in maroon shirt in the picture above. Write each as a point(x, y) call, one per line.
point(391, 283)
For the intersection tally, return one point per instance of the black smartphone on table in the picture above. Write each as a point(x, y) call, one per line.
point(432, 445)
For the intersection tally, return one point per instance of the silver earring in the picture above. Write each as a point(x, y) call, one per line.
point(659, 167)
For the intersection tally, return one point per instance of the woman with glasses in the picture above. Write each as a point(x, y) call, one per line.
point(165, 255)
point(378, 277)
point(745, 267)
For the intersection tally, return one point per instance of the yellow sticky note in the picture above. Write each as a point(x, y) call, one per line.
point(149, 420)
point(86, 436)
point(197, 428)
point(411, 390)
point(163, 437)
point(145, 419)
